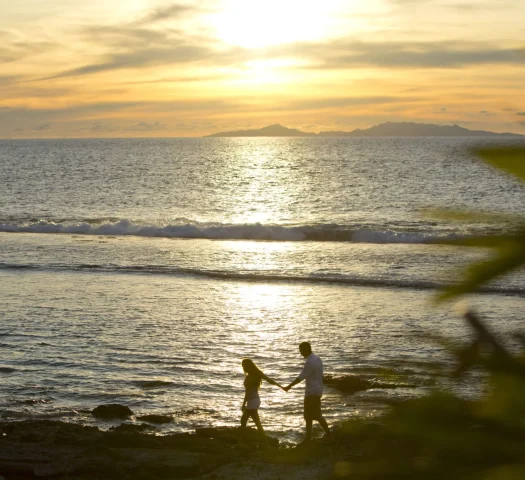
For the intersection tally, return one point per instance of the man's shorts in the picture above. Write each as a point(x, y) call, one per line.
point(312, 407)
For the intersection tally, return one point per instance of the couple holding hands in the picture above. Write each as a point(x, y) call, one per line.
point(313, 374)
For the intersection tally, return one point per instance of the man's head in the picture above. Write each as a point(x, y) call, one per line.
point(305, 348)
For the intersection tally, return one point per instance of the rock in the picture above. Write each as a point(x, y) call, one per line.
point(156, 418)
point(348, 383)
point(132, 428)
point(233, 435)
point(49, 431)
point(354, 383)
point(65, 451)
point(53, 469)
point(116, 439)
point(113, 410)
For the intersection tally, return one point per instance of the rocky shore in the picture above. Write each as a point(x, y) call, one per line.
point(437, 436)
point(35, 449)
point(136, 448)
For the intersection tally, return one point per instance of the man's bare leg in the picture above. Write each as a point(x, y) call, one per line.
point(308, 435)
point(323, 424)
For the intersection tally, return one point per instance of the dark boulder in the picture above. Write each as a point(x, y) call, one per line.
point(113, 410)
point(348, 383)
point(355, 383)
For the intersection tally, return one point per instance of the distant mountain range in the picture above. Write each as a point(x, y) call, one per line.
point(389, 129)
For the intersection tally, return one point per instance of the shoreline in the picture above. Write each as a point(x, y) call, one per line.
point(45, 448)
point(437, 436)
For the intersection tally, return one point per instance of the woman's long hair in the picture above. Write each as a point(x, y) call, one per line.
point(251, 369)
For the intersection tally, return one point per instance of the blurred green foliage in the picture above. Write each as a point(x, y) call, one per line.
point(444, 436)
point(507, 249)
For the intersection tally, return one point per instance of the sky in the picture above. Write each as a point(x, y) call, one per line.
point(142, 68)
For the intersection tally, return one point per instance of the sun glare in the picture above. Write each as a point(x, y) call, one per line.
point(264, 24)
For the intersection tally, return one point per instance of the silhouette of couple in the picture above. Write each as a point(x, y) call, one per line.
point(313, 374)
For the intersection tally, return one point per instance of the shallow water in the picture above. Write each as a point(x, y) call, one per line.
point(113, 306)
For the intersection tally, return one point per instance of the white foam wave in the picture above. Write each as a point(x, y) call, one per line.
point(127, 227)
point(257, 231)
point(370, 236)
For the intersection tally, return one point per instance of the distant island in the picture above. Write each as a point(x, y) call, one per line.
point(269, 131)
point(388, 129)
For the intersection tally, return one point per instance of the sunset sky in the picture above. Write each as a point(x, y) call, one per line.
point(106, 68)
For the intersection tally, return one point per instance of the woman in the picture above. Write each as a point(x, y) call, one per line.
point(252, 382)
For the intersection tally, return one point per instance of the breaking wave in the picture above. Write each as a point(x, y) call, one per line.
point(214, 231)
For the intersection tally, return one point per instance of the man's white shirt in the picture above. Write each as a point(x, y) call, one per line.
point(313, 374)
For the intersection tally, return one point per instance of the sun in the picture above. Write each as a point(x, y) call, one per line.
point(256, 24)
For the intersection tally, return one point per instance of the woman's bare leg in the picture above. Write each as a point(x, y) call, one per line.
point(260, 429)
point(244, 420)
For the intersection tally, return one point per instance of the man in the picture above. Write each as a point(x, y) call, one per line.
point(313, 374)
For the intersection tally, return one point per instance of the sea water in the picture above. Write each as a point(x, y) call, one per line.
point(142, 271)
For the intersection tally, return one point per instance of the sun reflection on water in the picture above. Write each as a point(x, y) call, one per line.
point(257, 255)
point(267, 183)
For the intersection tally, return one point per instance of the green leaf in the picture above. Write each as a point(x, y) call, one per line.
point(485, 241)
point(511, 160)
point(514, 241)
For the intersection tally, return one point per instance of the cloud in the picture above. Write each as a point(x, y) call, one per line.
point(100, 109)
point(17, 116)
point(168, 12)
point(9, 79)
point(24, 91)
point(14, 46)
point(521, 114)
point(185, 126)
point(347, 53)
point(45, 126)
point(147, 127)
point(338, 102)
point(101, 127)
point(441, 110)
point(465, 6)
point(143, 58)
point(145, 44)
point(182, 79)
point(137, 47)
point(487, 113)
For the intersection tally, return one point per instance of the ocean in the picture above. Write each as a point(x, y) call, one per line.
point(142, 271)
